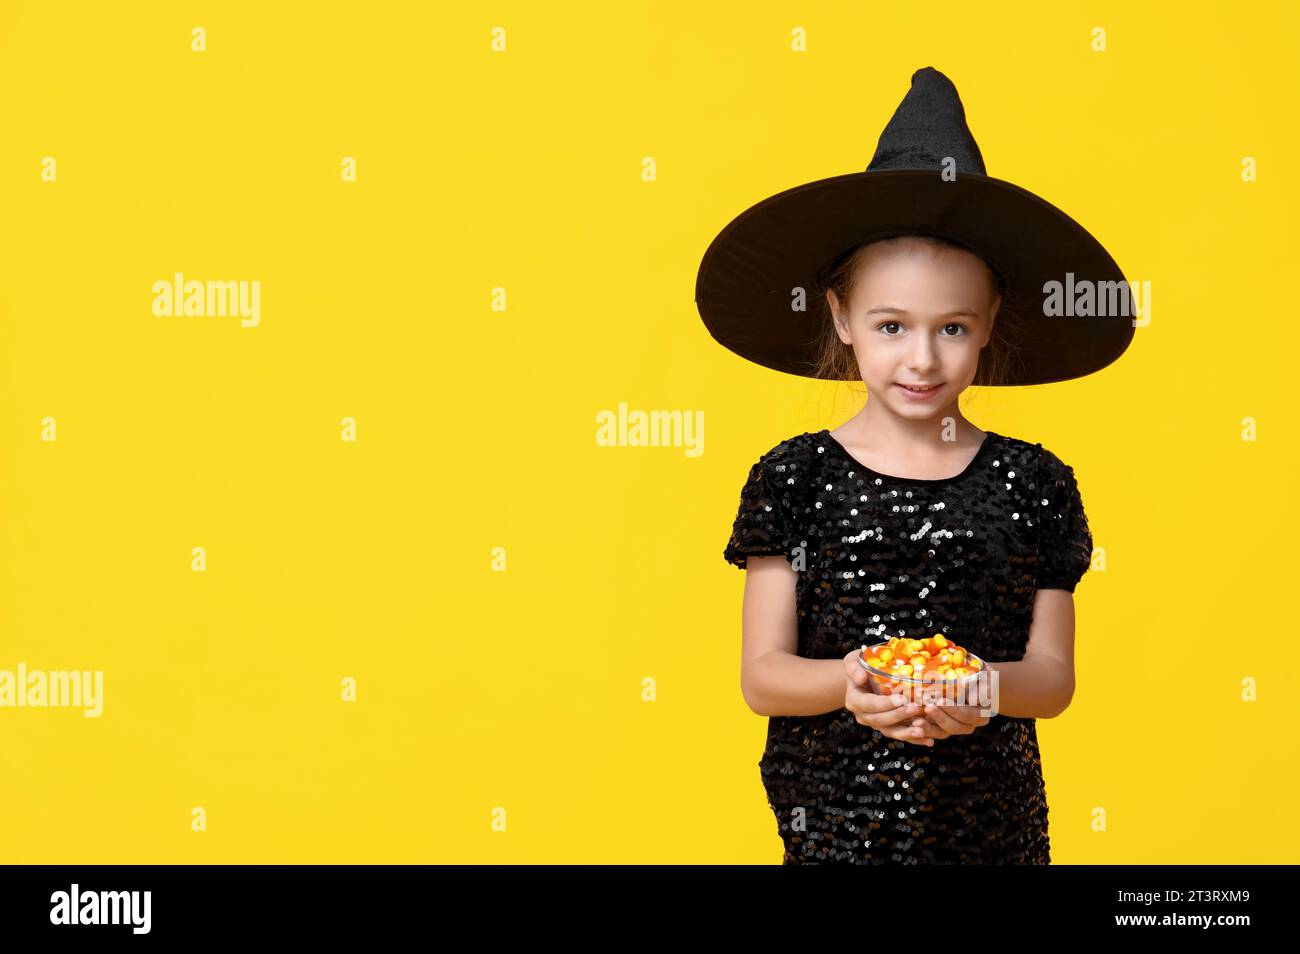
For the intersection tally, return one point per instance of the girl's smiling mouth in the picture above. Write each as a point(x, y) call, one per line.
point(919, 392)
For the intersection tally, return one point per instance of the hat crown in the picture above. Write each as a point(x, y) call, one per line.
point(928, 127)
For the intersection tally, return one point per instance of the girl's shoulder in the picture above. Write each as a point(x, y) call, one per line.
point(1032, 454)
point(797, 451)
point(792, 464)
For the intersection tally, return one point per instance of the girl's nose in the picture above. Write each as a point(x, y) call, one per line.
point(924, 355)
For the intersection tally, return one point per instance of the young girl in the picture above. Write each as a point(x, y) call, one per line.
point(907, 520)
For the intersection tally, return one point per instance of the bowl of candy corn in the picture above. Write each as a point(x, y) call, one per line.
point(923, 670)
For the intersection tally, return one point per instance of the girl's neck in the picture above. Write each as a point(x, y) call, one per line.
point(875, 428)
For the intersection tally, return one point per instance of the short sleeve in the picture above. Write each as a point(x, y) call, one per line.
point(1064, 539)
point(764, 524)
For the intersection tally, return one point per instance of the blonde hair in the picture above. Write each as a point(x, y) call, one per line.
point(835, 359)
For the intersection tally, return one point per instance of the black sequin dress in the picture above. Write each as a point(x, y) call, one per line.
point(880, 556)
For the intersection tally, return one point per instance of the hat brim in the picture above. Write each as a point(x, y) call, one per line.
point(749, 278)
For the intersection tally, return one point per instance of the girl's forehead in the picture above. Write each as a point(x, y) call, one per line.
point(924, 282)
point(922, 278)
point(896, 258)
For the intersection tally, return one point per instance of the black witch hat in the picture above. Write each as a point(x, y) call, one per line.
point(927, 177)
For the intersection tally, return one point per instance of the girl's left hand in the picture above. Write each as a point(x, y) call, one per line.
point(944, 718)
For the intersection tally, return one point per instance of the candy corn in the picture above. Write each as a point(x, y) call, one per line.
point(902, 662)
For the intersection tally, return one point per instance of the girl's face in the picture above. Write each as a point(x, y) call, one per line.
point(917, 316)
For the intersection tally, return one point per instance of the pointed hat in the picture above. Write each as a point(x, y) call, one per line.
point(926, 177)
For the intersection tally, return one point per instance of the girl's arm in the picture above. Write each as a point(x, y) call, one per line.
point(774, 680)
point(1041, 685)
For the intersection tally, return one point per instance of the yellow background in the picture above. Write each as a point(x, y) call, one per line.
point(522, 690)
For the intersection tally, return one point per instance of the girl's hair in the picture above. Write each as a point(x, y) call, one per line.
point(835, 358)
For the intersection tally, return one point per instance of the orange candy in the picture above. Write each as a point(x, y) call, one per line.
point(916, 658)
point(934, 659)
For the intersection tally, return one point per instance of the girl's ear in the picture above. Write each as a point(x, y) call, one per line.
point(993, 317)
point(838, 318)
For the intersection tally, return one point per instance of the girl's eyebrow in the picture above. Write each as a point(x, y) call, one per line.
point(885, 310)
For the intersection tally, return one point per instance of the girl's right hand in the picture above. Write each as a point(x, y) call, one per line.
point(890, 715)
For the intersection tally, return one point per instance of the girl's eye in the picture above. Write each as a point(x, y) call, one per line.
point(886, 325)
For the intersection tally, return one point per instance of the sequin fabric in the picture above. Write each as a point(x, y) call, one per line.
point(878, 556)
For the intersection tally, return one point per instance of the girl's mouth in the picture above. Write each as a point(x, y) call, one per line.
point(919, 392)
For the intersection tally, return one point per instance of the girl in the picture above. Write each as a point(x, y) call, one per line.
point(908, 520)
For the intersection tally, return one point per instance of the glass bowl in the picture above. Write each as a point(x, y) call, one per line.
point(928, 688)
